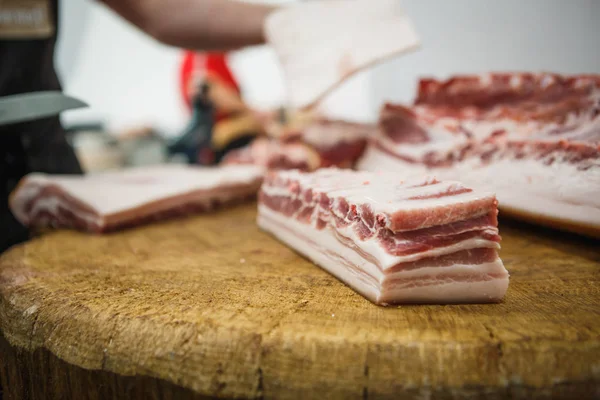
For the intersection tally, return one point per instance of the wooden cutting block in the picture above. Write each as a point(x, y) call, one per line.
point(211, 306)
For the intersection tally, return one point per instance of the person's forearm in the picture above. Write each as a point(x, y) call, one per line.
point(197, 24)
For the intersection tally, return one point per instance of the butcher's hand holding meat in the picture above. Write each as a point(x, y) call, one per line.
point(419, 241)
point(322, 43)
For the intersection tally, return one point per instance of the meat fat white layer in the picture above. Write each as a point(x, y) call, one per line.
point(53, 204)
point(386, 194)
point(332, 133)
point(554, 191)
point(367, 278)
point(115, 198)
point(113, 192)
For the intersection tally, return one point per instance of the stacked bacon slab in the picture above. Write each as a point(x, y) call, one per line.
point(418, 241)
point(116, 200)
point(534, 139)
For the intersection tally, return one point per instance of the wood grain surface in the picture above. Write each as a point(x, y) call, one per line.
point(212, 305)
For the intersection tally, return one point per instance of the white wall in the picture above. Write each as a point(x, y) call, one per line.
point(470, 36)
point(128, 79)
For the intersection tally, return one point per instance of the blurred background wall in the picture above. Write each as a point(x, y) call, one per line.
point(129, 79)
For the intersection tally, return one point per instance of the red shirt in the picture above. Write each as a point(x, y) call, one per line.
point(208, 64)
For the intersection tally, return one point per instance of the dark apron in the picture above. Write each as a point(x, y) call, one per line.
point(27, 65)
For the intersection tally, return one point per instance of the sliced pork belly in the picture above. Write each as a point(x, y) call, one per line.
point(417, 241)
point(316, 143)
point(274, 154)
point(115, 200)
point(534, 139)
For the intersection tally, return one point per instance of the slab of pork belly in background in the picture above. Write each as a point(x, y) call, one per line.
point(418, 241)
point(115, 200)
point(533, 139)
point(317, 143)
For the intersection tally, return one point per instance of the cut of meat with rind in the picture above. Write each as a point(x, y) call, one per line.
point(274, 154)
point(391, 201)
point(534, 139)
point(392, 241)
point(318, 143)
point(116, 200)
point(520, 93)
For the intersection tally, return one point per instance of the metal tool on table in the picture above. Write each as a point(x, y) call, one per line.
point(194, 142)
point(35, 105)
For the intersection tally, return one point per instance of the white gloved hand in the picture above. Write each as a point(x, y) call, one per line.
point(321, 44)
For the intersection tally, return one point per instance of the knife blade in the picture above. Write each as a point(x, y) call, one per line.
point(30, 106)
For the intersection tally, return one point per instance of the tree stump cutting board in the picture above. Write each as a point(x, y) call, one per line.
point(212, 306)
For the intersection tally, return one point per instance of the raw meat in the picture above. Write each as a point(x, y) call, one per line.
point(418, 241)
point(322, 43)
point(109, 201)
point(316, 144)
point(534, 139)
point(274, 154)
